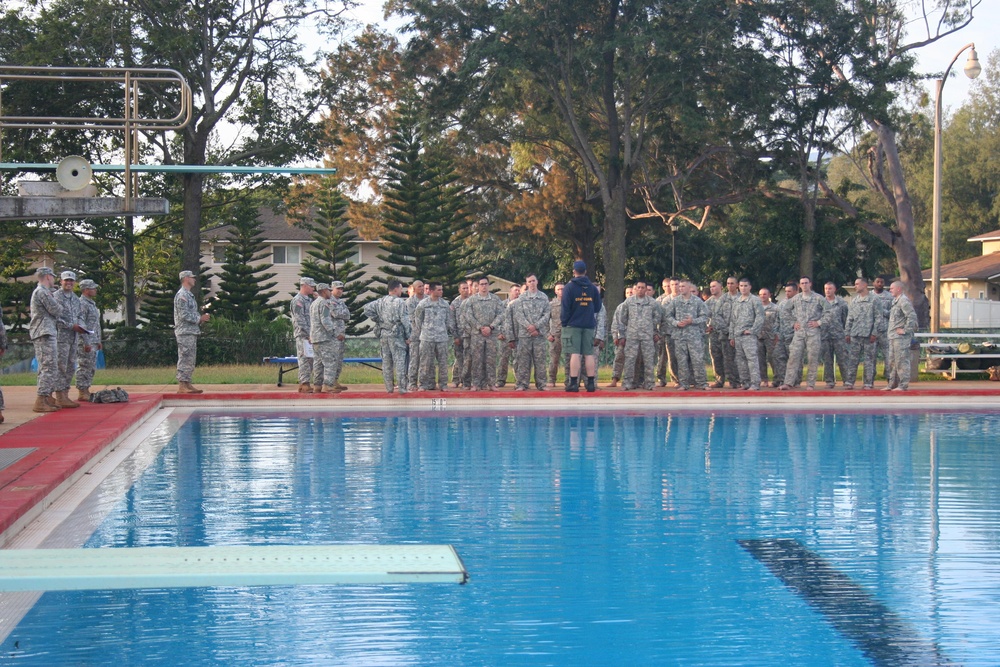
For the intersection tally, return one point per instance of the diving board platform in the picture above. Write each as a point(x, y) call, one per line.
point(190, 567)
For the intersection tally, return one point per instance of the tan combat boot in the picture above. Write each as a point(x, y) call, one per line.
point(340, 387)
point(329, 390)
point(305, 388)
point(187, 388)
point(63, 400)
point(41, 405)
point(51, 402)
point(82, 395)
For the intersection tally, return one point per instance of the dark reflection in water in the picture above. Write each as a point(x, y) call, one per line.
point(602, 539)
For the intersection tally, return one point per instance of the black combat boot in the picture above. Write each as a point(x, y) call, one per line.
point(591, 384)
point(574, 385)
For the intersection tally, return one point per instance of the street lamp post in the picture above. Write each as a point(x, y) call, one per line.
point(673, 247)
point(972, 70)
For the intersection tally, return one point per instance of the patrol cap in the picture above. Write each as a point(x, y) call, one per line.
point(322, 286)
point(44, 271)
point(87, 283)
point(185, 274)
point(580, 266)
point(307, 281)
point(67, 275)
point(335, 284)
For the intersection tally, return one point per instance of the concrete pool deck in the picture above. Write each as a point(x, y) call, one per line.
point(57, 448)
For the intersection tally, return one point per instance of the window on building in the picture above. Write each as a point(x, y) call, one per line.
point(982, 295)
point(286, 254)
point(966, 293)
point(219, 254)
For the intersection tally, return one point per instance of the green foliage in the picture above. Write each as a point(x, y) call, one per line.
point(15, 297)
point(243, 290)
point(334, 242)
point(425, 225)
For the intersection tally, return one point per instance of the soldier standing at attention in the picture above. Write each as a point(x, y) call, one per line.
point(458, 369)
point(42, 329)
point(618, 340)
point(187, 328)
point(786, 328)
point(718, 333)
point(641, 319)
point(322, 333)
point(532, 313)
point(555, 338)
point(901, 327)
point(299, 311)
point(481, 317)
point(688, 315)
point(666, 363)
point(861, 335)
point(413, 370)
point(436, 323)
point(770, 347)
point(745, 322)
point(834, 348)
point(68, 328)
point(508, 336)
point(807, 314)
point(341, 315)
point(883, 298)
point(90, 340)
point(389, 316)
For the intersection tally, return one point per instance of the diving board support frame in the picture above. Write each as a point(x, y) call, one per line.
point(188, 567)
point(293, 363)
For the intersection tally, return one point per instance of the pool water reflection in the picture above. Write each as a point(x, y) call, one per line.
point(603, 539)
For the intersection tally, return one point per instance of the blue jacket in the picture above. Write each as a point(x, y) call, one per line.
point(580, 303)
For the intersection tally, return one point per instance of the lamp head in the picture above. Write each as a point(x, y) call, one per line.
point(972, 66)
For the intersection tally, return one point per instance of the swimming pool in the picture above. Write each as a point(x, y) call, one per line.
point(604, 539)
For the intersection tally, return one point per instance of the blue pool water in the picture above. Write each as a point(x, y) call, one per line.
point(605, 539)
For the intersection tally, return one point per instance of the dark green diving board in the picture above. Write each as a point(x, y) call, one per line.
point(187, 567)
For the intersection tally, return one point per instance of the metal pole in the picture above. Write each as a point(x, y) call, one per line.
point(936, 222)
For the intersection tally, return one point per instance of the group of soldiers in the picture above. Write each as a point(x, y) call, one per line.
point(748, 333)
point(65, 330)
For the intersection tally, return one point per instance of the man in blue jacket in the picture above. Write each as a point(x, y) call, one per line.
point(581, 302)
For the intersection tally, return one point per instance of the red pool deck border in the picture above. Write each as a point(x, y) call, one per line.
point(65, 442)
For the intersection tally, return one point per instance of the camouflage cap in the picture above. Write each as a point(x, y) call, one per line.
point(307, 281)
point(335, 284)
point(44, 271)
point(87, 283)
point(67, 275)
point(322, 286)
point(185, 274)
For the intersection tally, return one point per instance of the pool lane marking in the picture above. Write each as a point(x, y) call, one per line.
point(881, 634)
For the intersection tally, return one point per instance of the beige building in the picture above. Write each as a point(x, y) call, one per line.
point(977, 278)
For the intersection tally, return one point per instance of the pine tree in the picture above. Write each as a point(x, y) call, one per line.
point(243, 290)
point(334, 242)
point(425, 226)
point(157, 307)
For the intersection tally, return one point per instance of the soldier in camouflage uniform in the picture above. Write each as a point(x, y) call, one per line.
point(807, 314)
point(482, 316)
point(832, 332)
point(507, 337)
point(436, 322)
point(389, 316)
point(187, 328)
point(555, 338)
point(770, 347)
point(641, 318)
point(90, 342)
point(322, 333)
point(786, 329)
point(341, 315)
point(861, 335)
point(3, 349)
point(618, 340)
point(68, 328)
point(745, 322)
point(718, 333)
point(601, 330)
point(665, 361)
point(299, 311)
point(532, 313)
point(688, 315)
point(413, 370)
point(902, 324)
point(883, 298)
point(45, 311)
point(459, 368)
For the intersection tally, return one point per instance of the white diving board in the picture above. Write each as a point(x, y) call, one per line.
point(189, 567)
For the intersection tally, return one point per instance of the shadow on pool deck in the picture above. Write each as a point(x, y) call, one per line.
point(61, 444)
